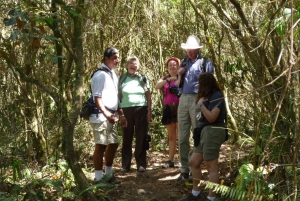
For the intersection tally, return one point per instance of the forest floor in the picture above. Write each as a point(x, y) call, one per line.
point(160, 184)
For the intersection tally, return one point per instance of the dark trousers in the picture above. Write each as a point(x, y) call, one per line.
point(136, 124)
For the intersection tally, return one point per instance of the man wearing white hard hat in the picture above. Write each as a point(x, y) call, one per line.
point(191, 68)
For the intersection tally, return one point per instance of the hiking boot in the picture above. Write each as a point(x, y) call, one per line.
point(124, 170)
point(169, 164)
point(142, 169)
point(191, 197)
point(183, 177)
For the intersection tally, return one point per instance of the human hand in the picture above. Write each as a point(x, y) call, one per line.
point(202, 100)
point(112, 118)
point(181, 71)
point(173, 78)
point(123, 121)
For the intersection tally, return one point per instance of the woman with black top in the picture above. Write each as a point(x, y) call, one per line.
point(212, 118)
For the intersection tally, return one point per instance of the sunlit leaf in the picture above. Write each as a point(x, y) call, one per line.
point(231, 69)
point(49, 20)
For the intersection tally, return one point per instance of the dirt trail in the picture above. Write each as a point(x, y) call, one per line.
point(158, 184)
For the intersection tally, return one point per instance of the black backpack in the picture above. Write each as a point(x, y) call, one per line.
point(89, 107)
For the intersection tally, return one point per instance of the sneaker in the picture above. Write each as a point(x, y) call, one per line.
point(108, 179)
point(113, 180)
point(142, 169)
point(169, 164)
point(191, 197)
point(183, 177)
point(190, 179)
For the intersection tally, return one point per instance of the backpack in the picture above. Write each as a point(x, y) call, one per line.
point(183, 64)
point(89, 107)
point(122, 78)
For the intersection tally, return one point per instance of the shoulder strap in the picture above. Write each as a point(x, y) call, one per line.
point(203, 65)
point(183, 64)
point(143, 82)
point(122, 78)
point(144, 79)
point(98, 69)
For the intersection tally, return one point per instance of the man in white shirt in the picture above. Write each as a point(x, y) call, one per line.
point(104, 86)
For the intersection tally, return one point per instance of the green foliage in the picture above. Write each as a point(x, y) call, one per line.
point(16, 169)
point(253, 182)
point(53, 181)
point(232, 67)
point(281, 23)
point(243, 190)
point(158, 131)
point(102, 189)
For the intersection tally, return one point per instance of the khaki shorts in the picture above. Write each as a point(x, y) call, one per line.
point(212, 137)
point(105, 133)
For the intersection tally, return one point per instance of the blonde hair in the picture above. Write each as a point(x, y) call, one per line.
point(132, 59)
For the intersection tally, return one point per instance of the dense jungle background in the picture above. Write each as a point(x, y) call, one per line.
point(49, 49)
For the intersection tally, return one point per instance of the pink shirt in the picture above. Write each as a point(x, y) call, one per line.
point(169, 98)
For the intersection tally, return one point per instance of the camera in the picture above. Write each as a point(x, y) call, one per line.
point(199, 117)
point(175, 90)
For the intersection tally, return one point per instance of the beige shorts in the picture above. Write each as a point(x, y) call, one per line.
point(105, 133)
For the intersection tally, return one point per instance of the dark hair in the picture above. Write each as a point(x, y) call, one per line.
point(110, 51)
point(207, 85)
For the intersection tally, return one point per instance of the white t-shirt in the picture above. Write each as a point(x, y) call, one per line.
point(104, 85)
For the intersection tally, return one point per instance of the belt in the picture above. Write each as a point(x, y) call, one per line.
point(110, 110)
point(189, 94)
point(172, 104)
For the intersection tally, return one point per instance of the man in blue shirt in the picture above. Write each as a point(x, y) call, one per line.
point(192, 66)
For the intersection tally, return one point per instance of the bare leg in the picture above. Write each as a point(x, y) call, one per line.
point(110, 154)
point(172, 132)
point(213, 172)
point(195, 163)
point(98, 156)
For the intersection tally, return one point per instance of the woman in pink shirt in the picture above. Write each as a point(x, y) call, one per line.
point(169, 85)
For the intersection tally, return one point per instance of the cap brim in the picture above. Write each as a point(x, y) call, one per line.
point(189, 47)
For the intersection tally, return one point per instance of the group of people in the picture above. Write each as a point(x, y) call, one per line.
point(193, 98)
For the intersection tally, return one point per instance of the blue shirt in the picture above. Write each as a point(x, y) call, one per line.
point(193, 71)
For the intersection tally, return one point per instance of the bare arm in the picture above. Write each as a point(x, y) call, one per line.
point(160, 83)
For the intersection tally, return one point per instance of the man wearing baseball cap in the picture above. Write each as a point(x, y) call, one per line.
point(191, 68)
